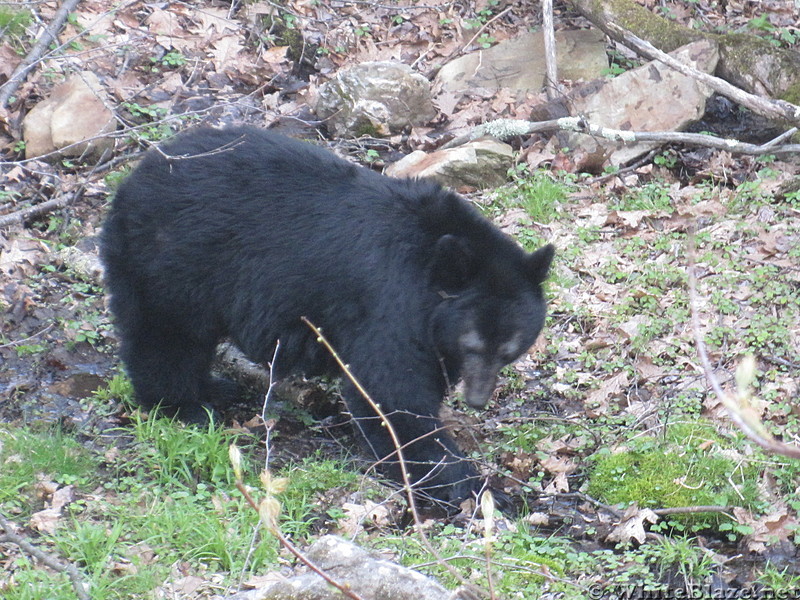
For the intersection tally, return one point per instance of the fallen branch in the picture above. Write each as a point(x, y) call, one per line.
point(36, 210)
point(767, 107)
point(48, 35)
point(503, 129)
point(690, 510)
point(57, 565)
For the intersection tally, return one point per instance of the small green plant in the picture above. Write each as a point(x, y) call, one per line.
point(482, 17)
point(172, 59)
point(681, 554)
point(90, 545)
point(119, 387)
point(667, 159)
point(362, 30)
point(183, 453)
point(650, 196)
point(486, 41)
point(775, 579)
point(14, 21)
point(540, 194)
point(29, 349)
point(371, 155)
point(777, 35)
point(618, 64)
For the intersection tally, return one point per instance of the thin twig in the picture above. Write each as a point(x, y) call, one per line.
point(294, 549)
point(27, 339)
point(409, 490)
point(44, 558)
point(751, 427)
point(267, 398)
point(690, 510)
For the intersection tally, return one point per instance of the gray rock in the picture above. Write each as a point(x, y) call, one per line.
point(347, 564)
point(518, 64)
point(72, 120)
point(481, 164)
point(652, 97)
point(375, 98)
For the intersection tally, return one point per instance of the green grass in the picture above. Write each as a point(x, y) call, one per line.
point(167, 497)
point(540, 194)
point(14, 21)
point(30, 455)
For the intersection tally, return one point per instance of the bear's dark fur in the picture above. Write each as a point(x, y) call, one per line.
point(238, 233)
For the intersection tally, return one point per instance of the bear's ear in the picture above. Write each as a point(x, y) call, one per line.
point(539, 263)
point(453, 263)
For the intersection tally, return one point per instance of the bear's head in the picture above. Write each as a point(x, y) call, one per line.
point(491, 311)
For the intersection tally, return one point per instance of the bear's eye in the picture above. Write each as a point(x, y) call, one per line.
point(472, 343)
point(509, 351)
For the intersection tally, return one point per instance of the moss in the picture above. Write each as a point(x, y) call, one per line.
point(741, 55)
point(792, 93)
point(286, 35)
point(675, 472)
point(366, 128)
point(662, 33)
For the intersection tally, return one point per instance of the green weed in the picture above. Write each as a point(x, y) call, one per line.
point(27, 455)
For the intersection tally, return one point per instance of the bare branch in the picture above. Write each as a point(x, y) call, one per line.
point(286, 543)
point(44, 558)
point(409, 490)
point(507, 128)
point(35, 211)
point(551, 80)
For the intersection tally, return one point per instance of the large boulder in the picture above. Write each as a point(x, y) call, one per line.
point(481, 164)
point(652, 97)
point(518, 63)
point(73, 120)
point(375, 98)
point(351, 566)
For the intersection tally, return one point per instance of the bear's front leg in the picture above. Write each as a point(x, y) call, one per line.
point(435, 466)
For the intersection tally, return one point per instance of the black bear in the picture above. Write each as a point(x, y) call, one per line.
point(239, 233)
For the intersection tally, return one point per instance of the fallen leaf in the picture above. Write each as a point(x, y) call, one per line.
point(361, 516)
point(45, 520)
point(631, 526)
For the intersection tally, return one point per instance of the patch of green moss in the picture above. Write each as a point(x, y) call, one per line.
point(662, 33)
point(689, 467)
point(792, 93)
